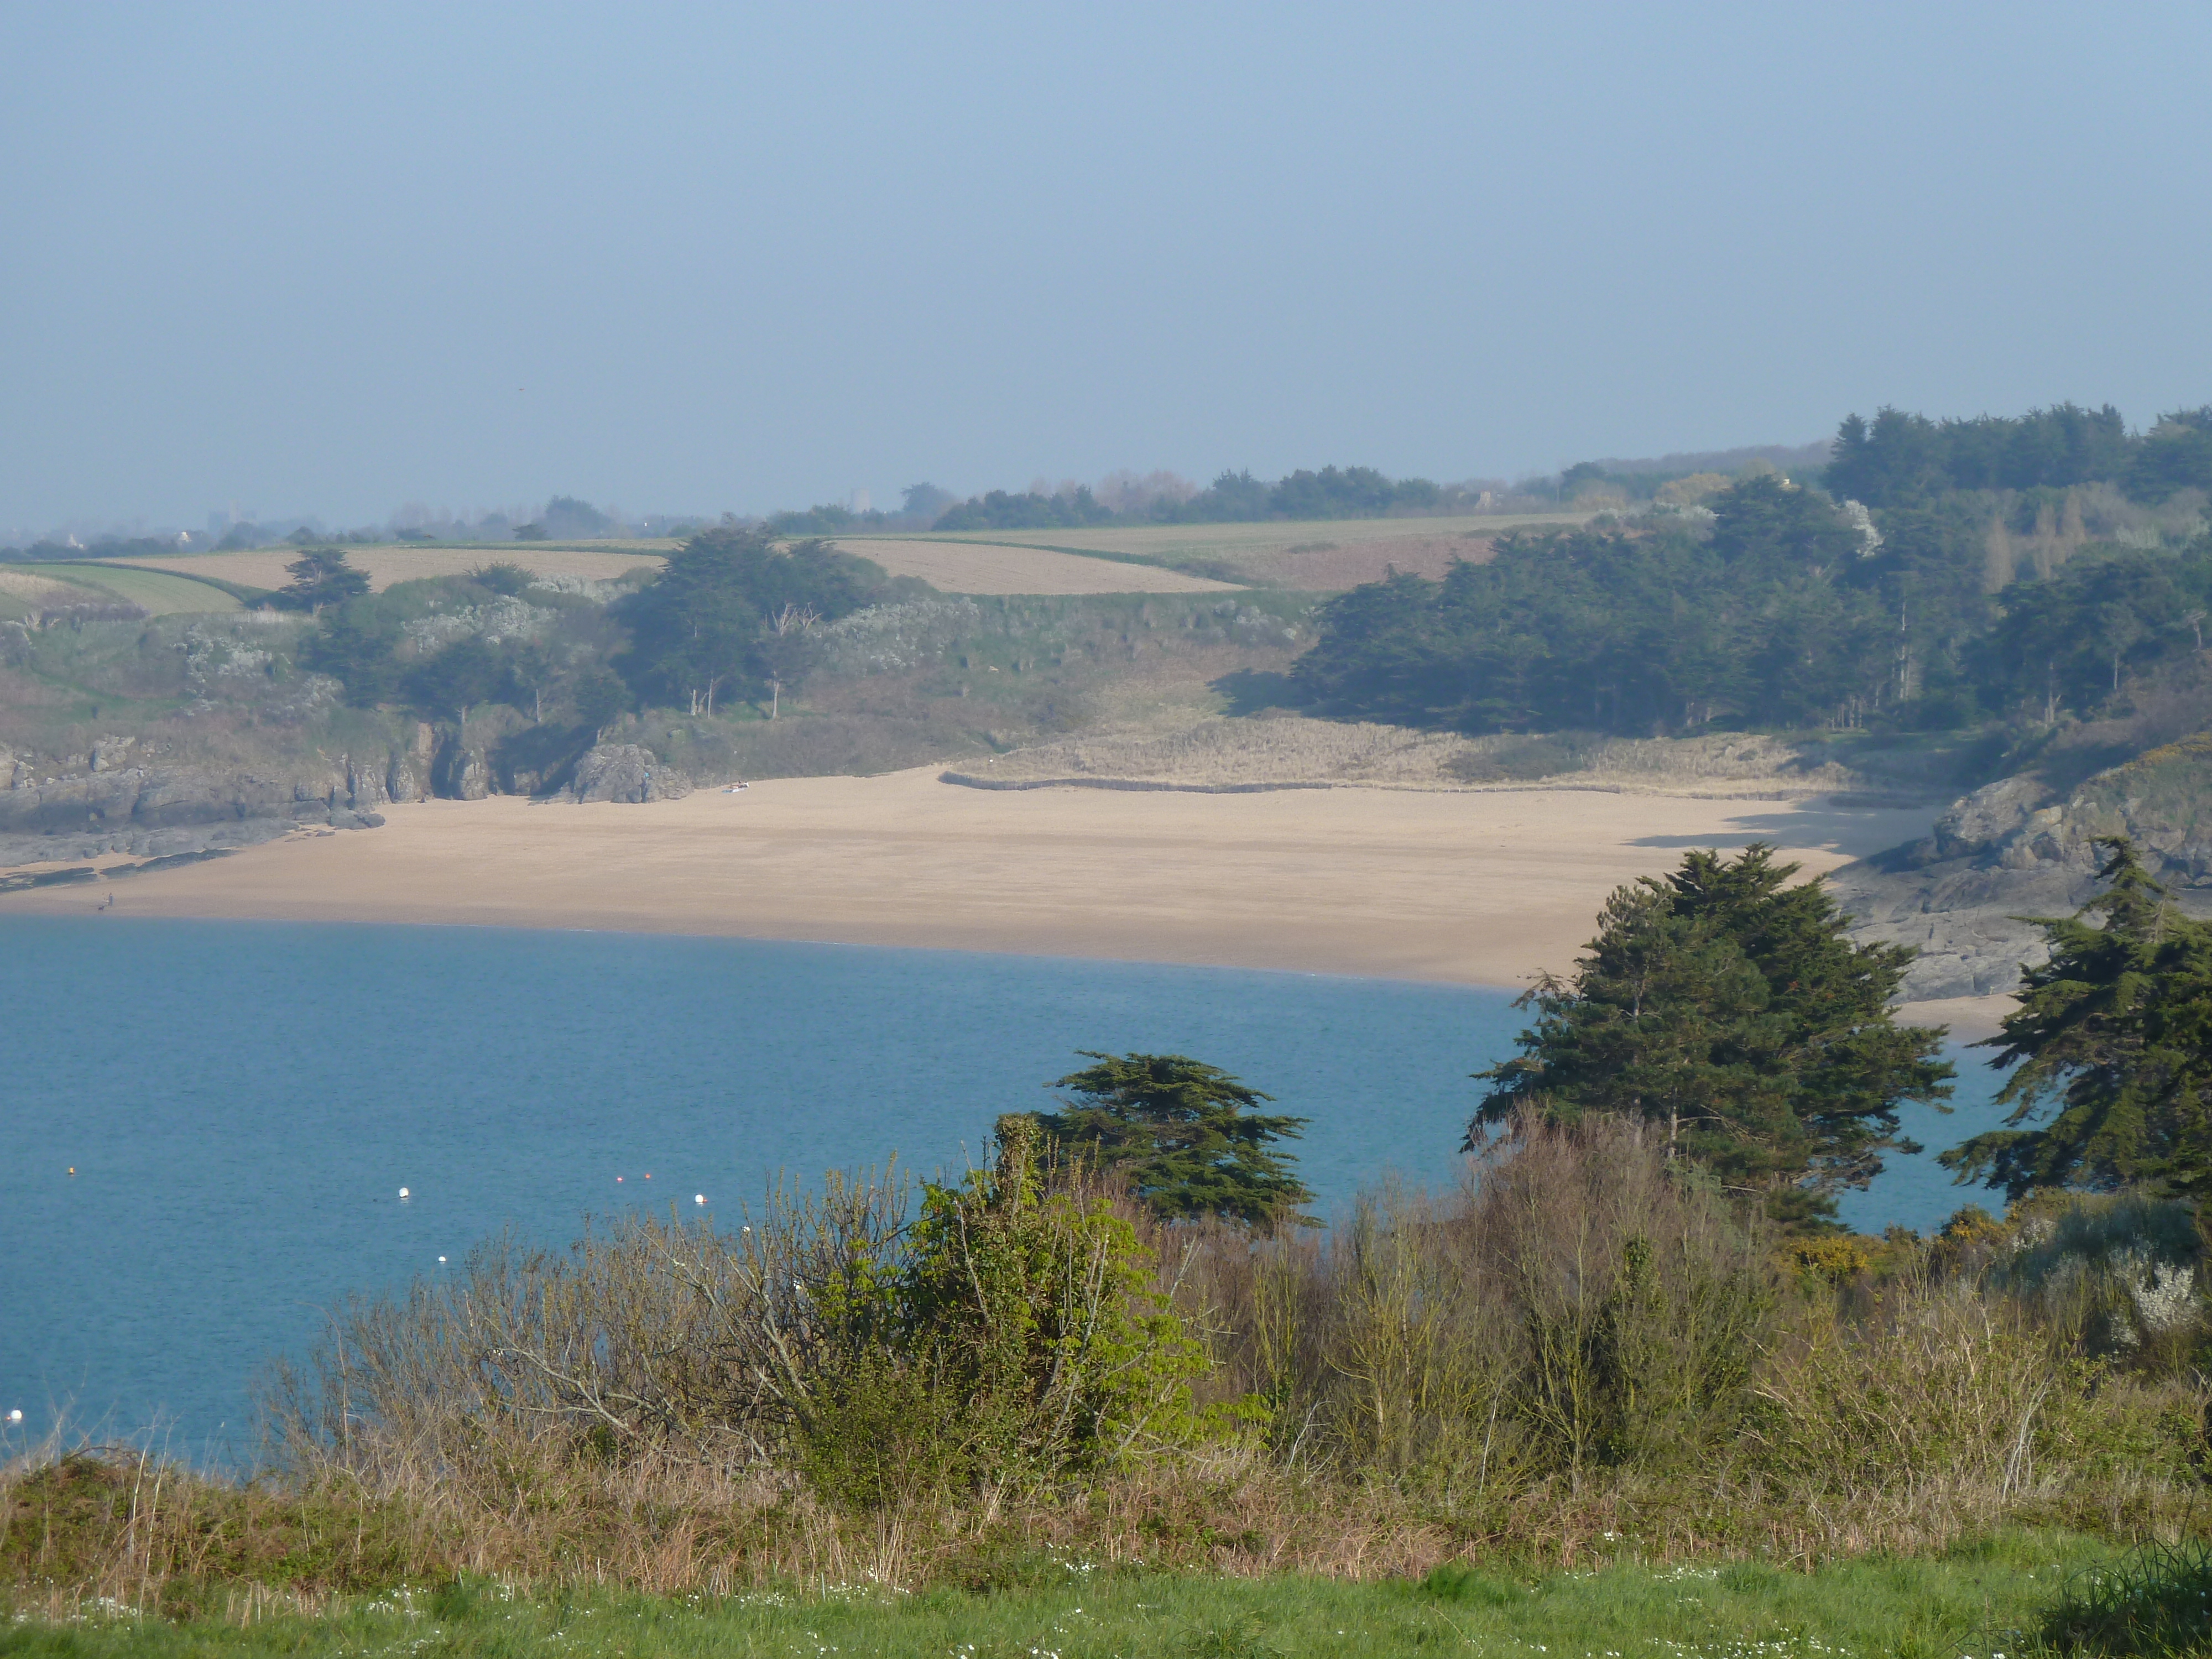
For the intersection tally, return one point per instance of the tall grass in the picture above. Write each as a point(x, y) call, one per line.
point(1585, 1349)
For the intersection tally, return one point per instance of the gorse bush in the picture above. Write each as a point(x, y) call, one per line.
point(1586, 1304)
point(1014, 1332)
point(2115, 1273)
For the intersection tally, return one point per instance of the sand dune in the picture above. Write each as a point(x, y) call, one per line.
point(1474, 888)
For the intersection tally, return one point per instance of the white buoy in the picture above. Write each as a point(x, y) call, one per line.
point(442, 1262)
point(698, 1198)
point(402, 1192)
point(16, 1417)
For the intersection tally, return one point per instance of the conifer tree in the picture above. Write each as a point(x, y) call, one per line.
point(2114, 1038)
point(1184, 1134)
point(1729, 1008)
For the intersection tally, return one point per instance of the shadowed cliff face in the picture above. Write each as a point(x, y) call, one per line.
point(159, 811)
point(2015, 849)
point(172, 811)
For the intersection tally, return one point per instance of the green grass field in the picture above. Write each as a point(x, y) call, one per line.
point(1223, 540)
point(1983, 1601)
point(154, 592)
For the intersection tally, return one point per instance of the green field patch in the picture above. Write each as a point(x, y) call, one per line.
point(243, 593)
point(157, 593)
point(1992, 1598)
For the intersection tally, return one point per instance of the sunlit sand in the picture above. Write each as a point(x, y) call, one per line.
point(1475, 888)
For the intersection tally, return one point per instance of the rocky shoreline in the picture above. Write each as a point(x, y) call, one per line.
point(168, 812)
point(2013, 850)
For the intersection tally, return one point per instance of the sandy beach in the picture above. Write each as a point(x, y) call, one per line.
point(1477, 888)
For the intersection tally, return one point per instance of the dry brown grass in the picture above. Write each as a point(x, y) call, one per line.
point(265, 567)
point(956, 567)
point(37, 591)
point(1324, 565)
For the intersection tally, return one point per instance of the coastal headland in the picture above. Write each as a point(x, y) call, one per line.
point(1472, 887)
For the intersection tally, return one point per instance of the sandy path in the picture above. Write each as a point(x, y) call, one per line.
point(1474, 888)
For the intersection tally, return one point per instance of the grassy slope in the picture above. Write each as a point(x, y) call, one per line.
point(1215, 550)
point(1972, 1601)
point(156, 591)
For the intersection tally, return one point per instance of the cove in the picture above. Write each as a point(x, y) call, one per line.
point(241, 1103)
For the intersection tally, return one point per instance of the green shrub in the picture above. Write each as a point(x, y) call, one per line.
point(1029, 1300)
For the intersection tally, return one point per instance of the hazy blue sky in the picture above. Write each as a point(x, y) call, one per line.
point(329, 259)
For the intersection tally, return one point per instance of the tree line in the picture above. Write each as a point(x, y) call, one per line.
point(1334, 492)
point(1899, 458)
point(1726, 1009)
point(732, 615)
point(1783, 611)
point(1774, 615)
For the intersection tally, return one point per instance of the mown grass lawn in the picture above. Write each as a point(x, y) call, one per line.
point(1981, 1601)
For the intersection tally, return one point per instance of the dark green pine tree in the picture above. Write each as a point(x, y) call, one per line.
point(1729, 1008)
point(2115, 1033)
point(1185, 1136)
point(320, 576)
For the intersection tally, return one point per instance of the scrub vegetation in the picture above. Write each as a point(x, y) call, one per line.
point(744, 660)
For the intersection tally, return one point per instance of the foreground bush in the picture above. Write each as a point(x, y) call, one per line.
point(1589, 1349)
point(1009, 1333)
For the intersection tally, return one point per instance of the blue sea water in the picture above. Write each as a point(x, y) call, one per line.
point(242, 1102)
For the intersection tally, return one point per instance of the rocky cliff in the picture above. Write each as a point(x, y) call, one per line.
point(112, 806)
point(2013, 849)
point(625, 772)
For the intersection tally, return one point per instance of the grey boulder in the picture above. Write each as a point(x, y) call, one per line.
point(626, 772)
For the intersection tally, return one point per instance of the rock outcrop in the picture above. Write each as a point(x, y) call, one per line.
point(169, 810)
point(625, 772)
point(2010, 850)
point(461, 772)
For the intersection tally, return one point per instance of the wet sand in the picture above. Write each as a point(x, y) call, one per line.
point(1473, 888)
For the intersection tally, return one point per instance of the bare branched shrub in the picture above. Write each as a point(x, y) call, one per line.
point(1940, 1388)
point(657, 1336)
point(1581, 1302)
point(1643, 1300)
point(1008, 1332)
